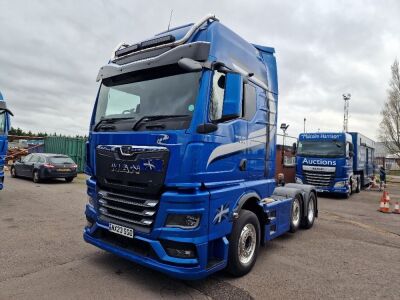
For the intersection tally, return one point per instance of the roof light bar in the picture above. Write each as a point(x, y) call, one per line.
point(127, 50)
point(157, 41)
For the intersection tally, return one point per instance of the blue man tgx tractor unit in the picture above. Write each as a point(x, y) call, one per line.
point(335, 162)
point(4, 127)
point(181, 154)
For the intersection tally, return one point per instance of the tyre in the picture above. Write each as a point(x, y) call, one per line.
point(309, 217)
point(358, 188)
point(295, 217)
point(244, 243)
point(13, 172)
point(69, 179)
point(36, 176)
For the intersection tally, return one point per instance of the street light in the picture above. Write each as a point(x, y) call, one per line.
point(284, 127)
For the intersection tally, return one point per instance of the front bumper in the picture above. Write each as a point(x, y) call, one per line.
point(188, 272)
point(155, 256)
point(327, 189)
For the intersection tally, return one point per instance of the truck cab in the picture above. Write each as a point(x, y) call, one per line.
point(5, 114)
point(325, 160)
point(181, 154)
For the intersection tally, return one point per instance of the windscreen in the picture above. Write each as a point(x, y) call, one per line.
point(61, 160)
point(321, 148)
point(164, 92)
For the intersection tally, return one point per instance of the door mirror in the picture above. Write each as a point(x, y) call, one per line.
point(189, 65)
point(232, 107)
point(3, 108)
point(351, 153)
point(294, 148)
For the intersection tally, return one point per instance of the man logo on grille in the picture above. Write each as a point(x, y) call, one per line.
point(149, 165)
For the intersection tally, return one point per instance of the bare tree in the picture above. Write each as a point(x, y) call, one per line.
point(389, 132)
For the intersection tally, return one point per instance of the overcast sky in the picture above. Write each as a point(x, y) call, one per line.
point(50, 53)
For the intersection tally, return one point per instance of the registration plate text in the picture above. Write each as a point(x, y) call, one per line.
point(118, 229)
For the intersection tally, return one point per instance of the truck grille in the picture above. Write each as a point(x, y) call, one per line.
point(319, 179)
point(137, 212)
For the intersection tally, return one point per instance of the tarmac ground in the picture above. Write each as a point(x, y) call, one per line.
point(353, 251)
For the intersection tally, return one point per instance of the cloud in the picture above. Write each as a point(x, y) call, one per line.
point(50, 53)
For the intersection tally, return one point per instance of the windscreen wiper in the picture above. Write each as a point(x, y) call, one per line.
point(108, 121)
point(155, 117)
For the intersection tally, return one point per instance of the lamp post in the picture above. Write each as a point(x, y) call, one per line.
point(304, 125)
point(284, 127)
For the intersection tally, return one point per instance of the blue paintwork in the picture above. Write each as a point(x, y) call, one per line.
point(3, 146)
point(346, 167)
point(191, 184)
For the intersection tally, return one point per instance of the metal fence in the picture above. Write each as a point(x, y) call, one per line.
point(73, 147)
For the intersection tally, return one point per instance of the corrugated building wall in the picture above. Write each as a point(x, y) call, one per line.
point(73, 147)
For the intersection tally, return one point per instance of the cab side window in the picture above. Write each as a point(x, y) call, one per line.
point(217, 96)
point(250, 101)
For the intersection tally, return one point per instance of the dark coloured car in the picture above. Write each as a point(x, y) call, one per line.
point(40, 166)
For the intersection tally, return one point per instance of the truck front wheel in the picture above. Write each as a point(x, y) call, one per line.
point(244, 243)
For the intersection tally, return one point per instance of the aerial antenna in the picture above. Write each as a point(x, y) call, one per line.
point(346, 98)
point(170, 18)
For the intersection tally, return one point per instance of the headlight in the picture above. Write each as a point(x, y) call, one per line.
point(183, 221)
point(298, 180)
point(340, 184)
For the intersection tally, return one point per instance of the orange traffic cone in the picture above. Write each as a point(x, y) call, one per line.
point(396, 209)
point(384, 205)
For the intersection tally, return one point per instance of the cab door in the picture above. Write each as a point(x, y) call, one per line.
point(255, 114)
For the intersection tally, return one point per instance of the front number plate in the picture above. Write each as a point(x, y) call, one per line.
point(125, 231)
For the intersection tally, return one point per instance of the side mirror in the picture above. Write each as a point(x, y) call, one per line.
point(294, 148)
point(189, 65)
point(232, 107)
point(351, 153)
point(3, 108)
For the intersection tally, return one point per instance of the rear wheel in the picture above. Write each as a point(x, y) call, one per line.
point(244, 242)
point(13, 172)
point(309, 218)
point(69, 179)
point(36, 176)
point(296, 214)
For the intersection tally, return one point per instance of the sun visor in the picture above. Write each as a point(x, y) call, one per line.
point(198, 51)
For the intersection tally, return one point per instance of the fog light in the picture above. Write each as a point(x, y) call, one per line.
point(340, 184)
point(181, 253)
point(183, 221)
point(180, 250)
point(298, 180)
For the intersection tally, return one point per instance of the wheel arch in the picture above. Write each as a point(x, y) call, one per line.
point(249, 201)
point(305, 190)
